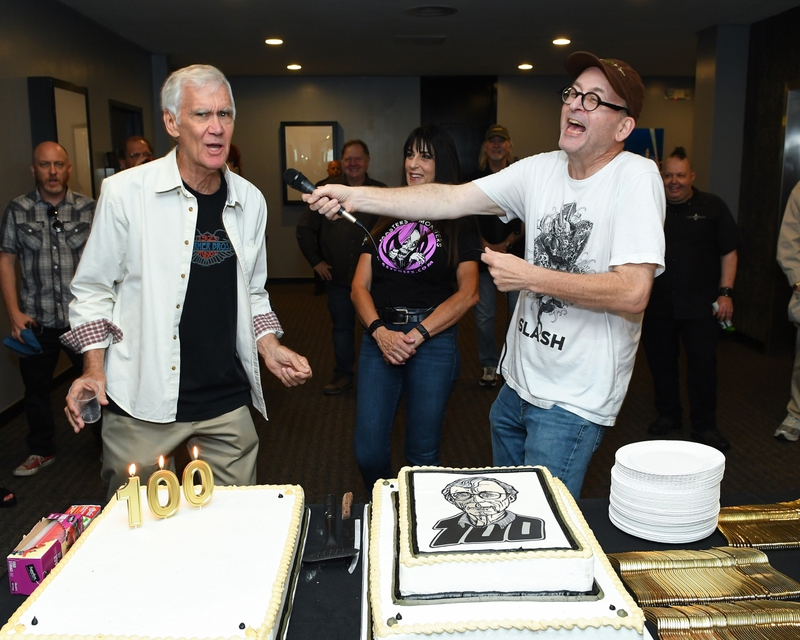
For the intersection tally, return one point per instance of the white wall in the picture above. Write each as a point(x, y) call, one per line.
point(380, 111)
point(676, 117)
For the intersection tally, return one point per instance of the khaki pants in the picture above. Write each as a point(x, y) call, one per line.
point(228, 443)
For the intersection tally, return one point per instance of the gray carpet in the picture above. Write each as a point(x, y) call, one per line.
point(307, 440)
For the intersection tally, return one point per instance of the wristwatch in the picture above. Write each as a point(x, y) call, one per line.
point(727, 291)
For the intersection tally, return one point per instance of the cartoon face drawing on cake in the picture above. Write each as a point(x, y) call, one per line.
point(484, 502)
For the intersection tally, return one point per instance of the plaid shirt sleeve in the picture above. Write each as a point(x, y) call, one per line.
point(265, 323)
point(92, 333)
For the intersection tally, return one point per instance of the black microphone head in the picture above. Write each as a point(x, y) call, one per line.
point(298, 181)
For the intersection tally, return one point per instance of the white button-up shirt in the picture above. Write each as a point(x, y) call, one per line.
point(131, 283)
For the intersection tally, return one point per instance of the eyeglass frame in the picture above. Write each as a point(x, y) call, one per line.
point(462, 496)
point(58, 224)
point(138, 154)
point(567, 90)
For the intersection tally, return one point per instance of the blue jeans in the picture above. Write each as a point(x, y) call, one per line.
point(426, 379)
point(343, 315)
point(488, 352)
point(524, 434)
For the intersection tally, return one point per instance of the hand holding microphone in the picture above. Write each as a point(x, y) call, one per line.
point(299, 182)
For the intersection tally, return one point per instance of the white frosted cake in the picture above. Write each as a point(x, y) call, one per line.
point(225, 571)
point(490, 553)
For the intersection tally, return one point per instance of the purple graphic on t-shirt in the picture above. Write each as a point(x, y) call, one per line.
point(408, 246)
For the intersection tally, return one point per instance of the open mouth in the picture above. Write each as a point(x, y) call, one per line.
point(575, 127)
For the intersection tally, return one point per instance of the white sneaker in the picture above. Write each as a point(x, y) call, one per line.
point(489, 378)
point(789, 429)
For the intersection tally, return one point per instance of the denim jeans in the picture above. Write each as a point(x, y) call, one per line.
point(426, 380)
point(524, 434)
point(488, 352)
point(343, 315)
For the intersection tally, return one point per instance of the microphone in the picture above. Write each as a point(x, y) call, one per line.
point(299, 182)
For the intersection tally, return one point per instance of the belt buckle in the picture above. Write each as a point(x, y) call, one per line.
point(404, 311)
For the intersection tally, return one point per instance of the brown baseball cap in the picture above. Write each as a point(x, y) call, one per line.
point(621, 76)
point(497, 130)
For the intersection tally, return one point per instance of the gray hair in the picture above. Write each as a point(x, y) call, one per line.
point(197, 76)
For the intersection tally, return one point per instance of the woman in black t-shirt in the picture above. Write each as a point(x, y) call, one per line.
point(404, 295)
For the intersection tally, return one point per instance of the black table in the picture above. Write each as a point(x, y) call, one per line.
point(329, 597)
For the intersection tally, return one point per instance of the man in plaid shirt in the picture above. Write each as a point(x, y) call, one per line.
point(46, 231)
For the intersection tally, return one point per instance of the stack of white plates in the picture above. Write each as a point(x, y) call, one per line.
point(666, 490)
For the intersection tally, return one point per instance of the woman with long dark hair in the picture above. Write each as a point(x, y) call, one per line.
point(409, 294)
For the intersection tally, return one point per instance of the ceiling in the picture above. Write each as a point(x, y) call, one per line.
point(378, 37)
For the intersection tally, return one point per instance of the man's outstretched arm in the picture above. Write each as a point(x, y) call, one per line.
point(420, 202)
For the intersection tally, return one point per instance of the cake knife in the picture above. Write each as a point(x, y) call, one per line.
point(348, 530)
point(331, 550)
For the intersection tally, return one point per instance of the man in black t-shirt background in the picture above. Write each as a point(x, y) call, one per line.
point(507, 237)
point(332, 248)
point(701, 259)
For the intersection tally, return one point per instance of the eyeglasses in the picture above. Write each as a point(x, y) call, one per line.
point(462, 496)
point(139, 154)
point(589, 101)
point(57, 224)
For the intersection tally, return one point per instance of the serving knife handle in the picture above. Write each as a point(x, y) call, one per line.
point(347, 503)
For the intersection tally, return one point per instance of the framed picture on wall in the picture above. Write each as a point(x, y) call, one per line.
point(307, 147)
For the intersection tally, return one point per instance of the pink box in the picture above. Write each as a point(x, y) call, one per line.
point(28, 567)
point(39, 551)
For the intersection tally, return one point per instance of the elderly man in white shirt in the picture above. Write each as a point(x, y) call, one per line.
point(170, 309)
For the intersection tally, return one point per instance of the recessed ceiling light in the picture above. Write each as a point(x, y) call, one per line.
point(273, 41)
point(293, 67)
point(525, 66)
point(561, 41)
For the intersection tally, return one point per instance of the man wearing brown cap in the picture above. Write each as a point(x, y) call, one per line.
point(498, 236)
point(593, 219)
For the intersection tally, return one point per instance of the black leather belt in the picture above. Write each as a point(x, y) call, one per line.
point(403, 315)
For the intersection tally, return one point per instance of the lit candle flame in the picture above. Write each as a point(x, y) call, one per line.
point(160, 462)
point(132, 470)
point(195, 453)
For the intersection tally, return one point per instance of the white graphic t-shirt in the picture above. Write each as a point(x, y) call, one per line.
point(558, 353)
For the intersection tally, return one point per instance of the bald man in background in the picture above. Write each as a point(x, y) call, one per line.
point(46, 230)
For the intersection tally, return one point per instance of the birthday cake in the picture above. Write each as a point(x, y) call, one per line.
point(223, 571)
point(490, 553)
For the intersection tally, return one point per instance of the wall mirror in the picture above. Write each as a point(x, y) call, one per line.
point(60, 112)
point(307, 147)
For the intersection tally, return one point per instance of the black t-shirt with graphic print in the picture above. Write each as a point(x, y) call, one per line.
point(411, 269)
point(213, 381)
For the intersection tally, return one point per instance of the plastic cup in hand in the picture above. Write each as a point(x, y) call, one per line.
point(84, 392)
